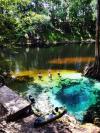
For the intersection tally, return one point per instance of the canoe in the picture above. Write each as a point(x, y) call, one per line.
point(42, 120)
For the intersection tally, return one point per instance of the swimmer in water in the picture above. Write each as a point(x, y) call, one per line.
point(40, 76)
point(49, 75)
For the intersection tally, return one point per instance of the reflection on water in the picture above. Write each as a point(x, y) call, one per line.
point(72, 60)
point(69, 57)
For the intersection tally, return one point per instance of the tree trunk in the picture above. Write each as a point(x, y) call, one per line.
point(93, 71)
point(97, 33)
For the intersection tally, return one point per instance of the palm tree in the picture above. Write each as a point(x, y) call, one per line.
point(93, 71)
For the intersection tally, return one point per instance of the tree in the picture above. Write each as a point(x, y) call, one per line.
point(10, 13)
point(82, 18)
point(49, 20)
point(93, 71)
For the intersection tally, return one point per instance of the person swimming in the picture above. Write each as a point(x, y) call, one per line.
point(59, 74)
point(40, 76)
point(49, 74)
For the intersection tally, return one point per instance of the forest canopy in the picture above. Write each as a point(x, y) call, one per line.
point(46, 20)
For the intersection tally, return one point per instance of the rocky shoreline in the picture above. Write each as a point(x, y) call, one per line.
point(65, 124)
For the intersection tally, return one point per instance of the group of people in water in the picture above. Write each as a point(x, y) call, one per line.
point(50, 76)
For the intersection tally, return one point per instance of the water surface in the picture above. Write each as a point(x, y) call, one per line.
point(68, 60)
point(69, 57)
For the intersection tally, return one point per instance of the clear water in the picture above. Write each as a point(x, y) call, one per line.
point(77, 98)
point(69, 57)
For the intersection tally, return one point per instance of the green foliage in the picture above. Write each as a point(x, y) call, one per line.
point(49, 20)
point(8, 19)
point(82, 15)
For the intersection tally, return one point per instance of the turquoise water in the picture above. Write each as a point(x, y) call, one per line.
point(76, 97)
point(77, 94)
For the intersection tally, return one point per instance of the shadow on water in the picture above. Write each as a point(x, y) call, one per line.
point(26, 87)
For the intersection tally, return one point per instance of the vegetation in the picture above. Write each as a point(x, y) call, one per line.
point(93, 70)
point(43, 21)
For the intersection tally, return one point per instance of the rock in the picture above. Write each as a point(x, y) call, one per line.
point(97, 121)
point(91, 128)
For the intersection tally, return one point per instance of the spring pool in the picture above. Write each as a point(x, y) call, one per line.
point(76, 95)
point(75, 92)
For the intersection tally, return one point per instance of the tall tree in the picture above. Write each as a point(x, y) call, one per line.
point(94, 70)
point(97, 30)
